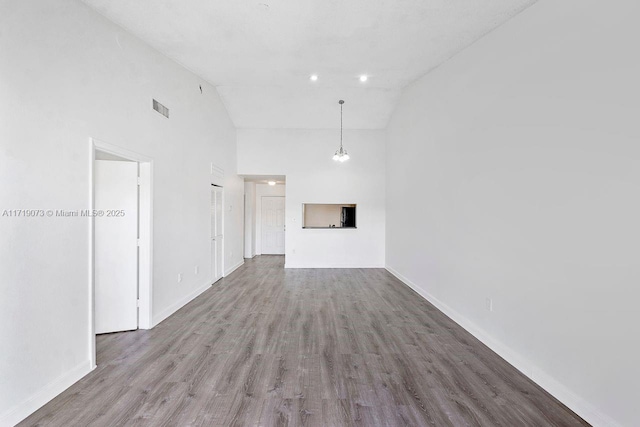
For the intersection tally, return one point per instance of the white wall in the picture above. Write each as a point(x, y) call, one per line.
point(67, 74)
point(513, 174)
point(263, 190)
point(304, 156)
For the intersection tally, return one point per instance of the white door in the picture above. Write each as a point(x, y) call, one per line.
point(115, 246)
point(217, 233)
point(272, 225)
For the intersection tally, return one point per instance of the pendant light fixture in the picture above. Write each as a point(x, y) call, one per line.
point(341, 154)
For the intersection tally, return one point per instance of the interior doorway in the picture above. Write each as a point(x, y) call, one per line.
point(217, 233)
point(256, 189)
point(120, 244)
point(115, 184)
point(273, 226)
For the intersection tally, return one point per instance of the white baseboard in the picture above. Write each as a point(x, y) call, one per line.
point(179, 304)
point(561, 392)
point(234, 268)
point(330, 266)
point(188, 298)
point(34, 402)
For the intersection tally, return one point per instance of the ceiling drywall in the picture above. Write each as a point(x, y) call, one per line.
point(260, 53)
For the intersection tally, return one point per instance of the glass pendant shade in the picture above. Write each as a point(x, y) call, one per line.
point(341, 155)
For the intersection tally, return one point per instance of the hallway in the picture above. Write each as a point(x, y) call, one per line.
point(268, 346)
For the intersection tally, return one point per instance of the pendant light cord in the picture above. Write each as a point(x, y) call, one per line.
point(341, 154)
point(341, 102)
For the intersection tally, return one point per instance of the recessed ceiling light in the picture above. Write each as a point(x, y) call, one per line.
point(314, 77)
point(364, 78)
point(271, 183)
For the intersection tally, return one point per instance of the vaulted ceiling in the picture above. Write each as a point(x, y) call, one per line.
point(260, 53)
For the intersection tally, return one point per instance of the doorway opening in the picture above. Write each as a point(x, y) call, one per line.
point(120, 244)
point(265, 217)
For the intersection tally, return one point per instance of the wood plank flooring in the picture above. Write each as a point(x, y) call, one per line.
point(273, 347)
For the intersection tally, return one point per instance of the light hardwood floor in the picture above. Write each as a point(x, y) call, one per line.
point(268, 346)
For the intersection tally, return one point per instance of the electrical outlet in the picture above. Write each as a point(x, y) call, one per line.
point(179, 277)
point(197, 269)
point(489, 304)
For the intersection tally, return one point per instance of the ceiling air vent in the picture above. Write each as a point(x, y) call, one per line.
point(161, 108)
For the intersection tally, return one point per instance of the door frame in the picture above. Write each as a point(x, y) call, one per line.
point(145, 228)
point(222, 274)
